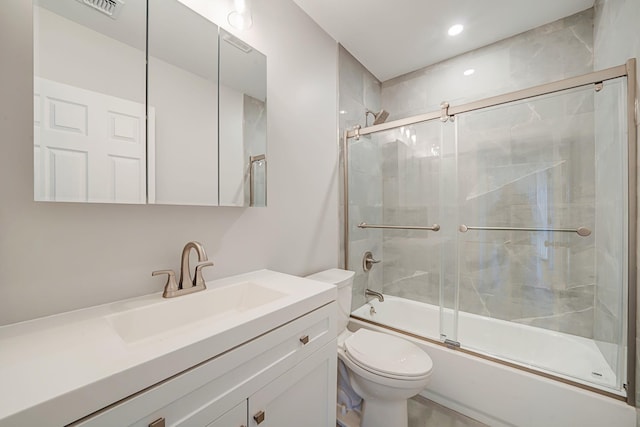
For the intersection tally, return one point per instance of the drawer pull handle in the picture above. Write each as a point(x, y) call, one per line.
point(259, 417)
point(157, 423)
point(304, 340)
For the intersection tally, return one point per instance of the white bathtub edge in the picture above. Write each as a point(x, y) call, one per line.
point(464, 409)
point(502, 396)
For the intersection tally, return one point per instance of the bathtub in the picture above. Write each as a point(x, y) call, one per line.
point(497, 394)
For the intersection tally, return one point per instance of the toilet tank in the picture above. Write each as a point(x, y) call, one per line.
point(343, 279)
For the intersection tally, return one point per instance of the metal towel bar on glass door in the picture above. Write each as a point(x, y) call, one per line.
point(581, 231)
point(434, 227)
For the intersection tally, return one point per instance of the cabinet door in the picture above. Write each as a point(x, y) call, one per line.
point(303, 396)
point(236, 417)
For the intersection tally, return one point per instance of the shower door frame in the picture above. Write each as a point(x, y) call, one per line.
point(447, 111)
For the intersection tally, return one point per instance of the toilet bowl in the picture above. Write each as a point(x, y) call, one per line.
point(384, 370)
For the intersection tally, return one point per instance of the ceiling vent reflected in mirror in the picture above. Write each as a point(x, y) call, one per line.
point(236, 42)
point(111, 8)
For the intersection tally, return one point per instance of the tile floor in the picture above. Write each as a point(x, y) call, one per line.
point(425, 413)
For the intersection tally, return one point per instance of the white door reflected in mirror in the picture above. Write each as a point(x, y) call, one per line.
point(89, 104)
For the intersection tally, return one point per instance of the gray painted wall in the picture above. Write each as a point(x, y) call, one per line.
point(56, 257)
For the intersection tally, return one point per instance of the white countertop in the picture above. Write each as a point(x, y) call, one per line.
point(57, 369)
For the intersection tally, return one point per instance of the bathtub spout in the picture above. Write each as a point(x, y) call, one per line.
point(370, 293)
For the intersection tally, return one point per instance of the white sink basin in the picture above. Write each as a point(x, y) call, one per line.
point(188, 310)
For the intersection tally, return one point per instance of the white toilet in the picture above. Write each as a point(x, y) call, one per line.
point(384, 370)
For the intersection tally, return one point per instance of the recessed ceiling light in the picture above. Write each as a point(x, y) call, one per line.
point(343, 111)
point(455, 30)
point(469, 72)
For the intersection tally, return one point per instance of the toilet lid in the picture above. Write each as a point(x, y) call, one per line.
point(387, 354)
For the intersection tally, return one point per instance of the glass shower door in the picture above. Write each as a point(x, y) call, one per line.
point(449, 219)
point(395, 188)
point(542, 232)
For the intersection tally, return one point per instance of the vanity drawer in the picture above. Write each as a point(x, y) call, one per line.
point(203, 393)
point(236, 417)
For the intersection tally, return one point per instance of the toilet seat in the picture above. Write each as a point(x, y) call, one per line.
point(387, 355)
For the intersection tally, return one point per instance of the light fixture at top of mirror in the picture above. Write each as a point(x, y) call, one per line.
point(241, 18)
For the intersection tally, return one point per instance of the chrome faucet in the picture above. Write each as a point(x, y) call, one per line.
point(372, 293)
point(173, 289)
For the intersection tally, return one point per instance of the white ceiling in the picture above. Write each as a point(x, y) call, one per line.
point(392, 38)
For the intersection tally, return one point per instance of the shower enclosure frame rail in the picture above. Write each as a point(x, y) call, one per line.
point(544, 89)
point(626, 70)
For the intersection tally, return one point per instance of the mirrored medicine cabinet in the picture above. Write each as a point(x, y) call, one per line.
point(157, 106)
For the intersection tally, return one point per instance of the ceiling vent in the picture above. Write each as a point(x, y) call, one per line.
point(236, 42)
point(111, 8)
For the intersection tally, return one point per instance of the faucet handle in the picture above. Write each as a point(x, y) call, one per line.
point(368, 261)
point(171, 286)
point(199, 280)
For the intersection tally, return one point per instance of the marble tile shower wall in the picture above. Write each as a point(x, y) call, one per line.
point(359, 90)
point(548, 283)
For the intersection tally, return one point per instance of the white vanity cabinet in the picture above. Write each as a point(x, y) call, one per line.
point(285, 377)
point(298, 398)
